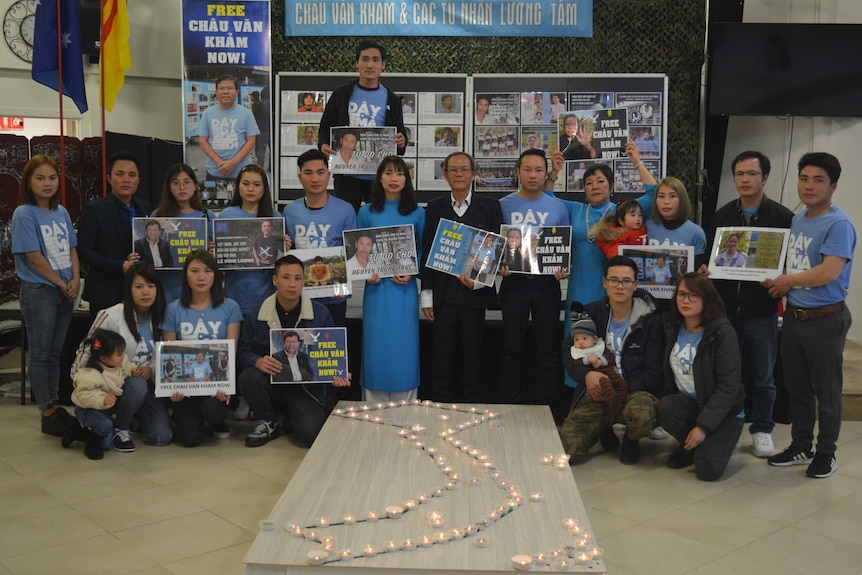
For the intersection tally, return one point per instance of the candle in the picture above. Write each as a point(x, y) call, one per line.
point(423, 498)
point(312, 535)
point(569, 522)
point(536, 496)
point(338, 411)
point(317, 557)
point(457, 443)
point(474, 481)
point(410, 504)
point(522, 562)
point(291, 525)
point(426, 541)
point(441, 537)
point(297, 531)
point(369, 550)
point(450, 485)
point(394, 511)
point(561, 465)
point(403, 432)
point(372, 516)
point(391, 404)
point(456, 533)
point(329, 540)
point(596, 553)
point(322, 522)
point(345, 555)
point(583, 557)
point(481, 542)
point(540, 559)
point(409, 545)
point(431, 450)
point(439, 492)
point(418, 429)
point(366, 416)
point(455, 476)
point(466, 447)
point(446, 469)
point(351, 408)
point(351, 414)
point(427, 402)
point(392, 546)
point(328, 546)
point(583, 544)
point(364, 407)
point(547, 459)
point(349, 519)
point(435, 518)
point(379, 406)
point(557, 553)
point(563, 565)
point(267, 524)
point(576, 530)
point(444, 417)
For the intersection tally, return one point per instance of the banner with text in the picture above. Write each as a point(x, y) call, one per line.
point(560, 18)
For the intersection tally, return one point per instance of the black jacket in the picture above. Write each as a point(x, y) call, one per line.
point(717, 372)
point(484, 213)
point(748, 299)
point(143, 249)
point(336, 114)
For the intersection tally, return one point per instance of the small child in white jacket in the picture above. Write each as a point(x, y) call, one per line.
point(99, 393)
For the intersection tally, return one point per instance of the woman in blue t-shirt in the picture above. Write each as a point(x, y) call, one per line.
point(669, 223)
point(702, 404)
point(46, 262)
point(202, 312)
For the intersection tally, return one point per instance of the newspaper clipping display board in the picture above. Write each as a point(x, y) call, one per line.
point(309, 355)
point(388, 251)
point(748, 254)
point(325, 272)
point(460, 249)
point(536, 250)
point(248, 243)
point(660, 266)
point(195, 367)
point(169, 239)
point(360, 150)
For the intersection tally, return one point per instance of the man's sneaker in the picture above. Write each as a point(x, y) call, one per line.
point(658, 433)
point(609, 440)
point(221, 430)
point(242, 409)
point(680, 458)
point(122, 441)
point(822, 466)
point(763, 446)
point(791, 456)
point(263, 433)
point(630, 452)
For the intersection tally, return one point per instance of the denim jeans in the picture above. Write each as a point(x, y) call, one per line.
point(758, 346)
point(47, 314)
point(100, 420)
point(154, 416)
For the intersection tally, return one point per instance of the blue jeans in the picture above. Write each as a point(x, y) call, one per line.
point(46, 314)
point(154, 416)
point(758, 346)
point(100, 420)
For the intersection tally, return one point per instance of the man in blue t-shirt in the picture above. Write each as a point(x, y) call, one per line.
point(318, 219)
point(362, 102)
point(819, 262)
point(525, 295)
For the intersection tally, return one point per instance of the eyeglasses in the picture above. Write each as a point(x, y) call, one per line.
point(690, 296)
point(751, 174)
point(459, 170)
point(187, 183)
point(626, 282)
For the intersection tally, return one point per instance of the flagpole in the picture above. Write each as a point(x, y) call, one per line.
point(102, 92)
point(60, 93)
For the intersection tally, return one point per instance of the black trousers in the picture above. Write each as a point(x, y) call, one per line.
point(458, 332)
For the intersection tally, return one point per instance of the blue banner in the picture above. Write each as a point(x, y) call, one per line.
point(559, 18)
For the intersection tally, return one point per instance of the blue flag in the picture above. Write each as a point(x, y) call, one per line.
point(45, 62)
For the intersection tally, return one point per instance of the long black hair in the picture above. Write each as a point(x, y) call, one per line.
point(157, 311)
point(103, 343)
point(408, 203)
point(264, 206)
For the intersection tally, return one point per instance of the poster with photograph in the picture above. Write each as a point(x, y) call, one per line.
point(164, 243)
point(408, 106)
point(627, 180)
point(302, 106)
point(248, 243)
point(590, 100)
point(536, 250)
point(594, 134)
point(440, 108)
point(298, 138)
point(195, 368)
point(748, 253)
point(660, 266)
point(497, 142)
point(360, 150)
point(459, 249)
point(648, 139)
point(325, 272)
point(431, 176)
point(309, 355)
point(496, 176)
point(497, 109)
point(387, 251)
point(536, 108)
point(644, 108)
point(540, 138)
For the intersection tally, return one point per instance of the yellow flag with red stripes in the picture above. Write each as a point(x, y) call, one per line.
point(116, 57)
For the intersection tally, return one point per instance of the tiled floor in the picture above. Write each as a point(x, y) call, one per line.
point(173, 510)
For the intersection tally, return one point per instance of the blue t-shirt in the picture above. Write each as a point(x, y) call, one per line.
point(830, 234)
point(200, 371)
point(320, 228)
point(615, 338)
point(682, 359)
point(367, 108)
point(48, 232)
point(688, 234)
point(227, 131)
point(543, 211)
point(211, 323)
point(660, 275)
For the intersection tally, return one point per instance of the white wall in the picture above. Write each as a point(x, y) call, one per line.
point(150, 103)
point(784, 140)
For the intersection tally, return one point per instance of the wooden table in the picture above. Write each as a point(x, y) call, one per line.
point(358, 465)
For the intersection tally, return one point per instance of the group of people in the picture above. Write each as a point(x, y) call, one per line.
point(628, 359)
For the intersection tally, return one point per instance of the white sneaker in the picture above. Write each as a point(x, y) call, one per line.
point(762, 443)
point(658, 433)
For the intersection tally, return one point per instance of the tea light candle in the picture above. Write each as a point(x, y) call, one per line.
point(521, 562)
point(540, 559)
point(583, 544)
point(394, 511)
point(351, 408)
point(379, 406)
point(563, 565)
point(267, 524)
point(450, 485)
point(435, 516)
point(392, 546)
point(364, 407)
point(418, 429)
point(391, 404)
point(536, 496)
point(345, 555)
point(474, 481)
point(338, 411)
point(455, 476)
point(441, 537)
point(297, 531)
point(557, 553)
point(456, 533)
point(583, 557)
point(446, 469)
point(329, 540)
point(561, 465)
point(576, 530)
point(409, 545)
point(439, 492)
point(444, 417)
point(427, 402)
point(568, 523)
point(410, 504)
point(349, 519)
point(369, 550)
point(403, 432)
point(596, 553)
point(423, 498)
point(312, 535)
point(351, 414)
point(426, 541)
point(317, 557)
point(372, 516)
point(322, 522)
point(328, 547)
point(418, 444)
point(431, 450)
point(376, 419)
point(481, 542)
point(366, 416)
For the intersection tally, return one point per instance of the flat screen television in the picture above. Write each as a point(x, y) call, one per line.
point(785, 69)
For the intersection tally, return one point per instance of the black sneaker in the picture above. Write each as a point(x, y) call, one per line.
point(630, 452)
point(822, 466)
point(122, 441)
point(609, 440)
point(265, 432)
point(680, 458)
point(791, 456)
point(93, 449)
point(56, 423)
point(221, 430)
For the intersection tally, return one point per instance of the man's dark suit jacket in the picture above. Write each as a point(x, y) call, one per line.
point(104, 243)
point(142, 247)
point(286, 374)
point(484, 213)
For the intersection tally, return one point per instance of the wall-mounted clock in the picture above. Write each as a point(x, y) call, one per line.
point(18, 28)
